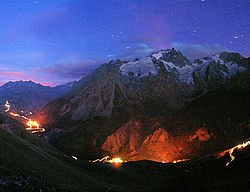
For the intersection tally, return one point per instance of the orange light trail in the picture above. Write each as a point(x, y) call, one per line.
point(180, 160)
point(103, 160)
point(230, 151)
point(117, 161)
point(14, 114)
point(33, 126)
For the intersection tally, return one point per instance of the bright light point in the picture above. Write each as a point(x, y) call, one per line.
point(31, 124)
point(180, 160)
point(7, 106)
point(74, 157)
point(116, 160)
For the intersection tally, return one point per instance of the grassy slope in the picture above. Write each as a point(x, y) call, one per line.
point(31, 156)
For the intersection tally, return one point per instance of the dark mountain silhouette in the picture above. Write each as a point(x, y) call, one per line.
point(29, 96)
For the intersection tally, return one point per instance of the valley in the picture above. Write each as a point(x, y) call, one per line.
point(146, 130)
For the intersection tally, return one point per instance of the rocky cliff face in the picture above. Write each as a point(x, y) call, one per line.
point(136, 141)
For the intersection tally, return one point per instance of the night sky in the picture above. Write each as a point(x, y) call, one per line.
point(57, 41)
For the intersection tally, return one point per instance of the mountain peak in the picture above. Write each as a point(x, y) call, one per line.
point(161, 53)
point(171, 55)
point(230, 57)
point(115, 62)
point(22, 84)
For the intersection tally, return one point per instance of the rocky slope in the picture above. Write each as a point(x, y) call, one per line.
point(166, 76)
point(29, 96)
point(117, 107)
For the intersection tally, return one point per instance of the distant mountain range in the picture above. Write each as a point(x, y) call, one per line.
point(29, 96)
point(136, 108)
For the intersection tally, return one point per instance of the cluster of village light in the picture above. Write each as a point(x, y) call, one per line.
point(33, 126)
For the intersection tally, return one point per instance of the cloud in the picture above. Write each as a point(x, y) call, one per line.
point(194, 51)
point(143, 48)
point(70, 70)
point(13, 76)
point(58, 73)
point(111, 56)
point(137, 50)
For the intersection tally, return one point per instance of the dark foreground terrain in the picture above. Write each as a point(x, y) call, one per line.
point(28, 163)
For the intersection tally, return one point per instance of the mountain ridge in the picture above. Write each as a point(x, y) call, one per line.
point(154, 76)
point(101, 105)
point(30, 96)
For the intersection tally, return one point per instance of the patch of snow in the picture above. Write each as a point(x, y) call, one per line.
point(224, 73)
point(216, 58)
point(203, 60)
point(160, 53)
point(139, 68)
point(157, 55)
point(170, 65)
point(184, 73)
point(233, 68)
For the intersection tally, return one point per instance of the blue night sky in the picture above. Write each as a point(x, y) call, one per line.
point(57, 41)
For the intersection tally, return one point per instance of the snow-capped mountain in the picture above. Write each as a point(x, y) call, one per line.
point(223, 65)
point(151, 64)
point(165, 76)
point(121, 101)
